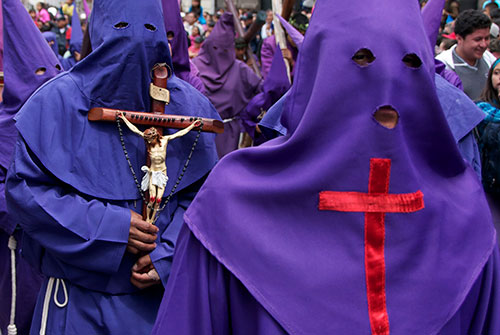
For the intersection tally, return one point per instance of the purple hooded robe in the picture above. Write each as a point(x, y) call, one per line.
point(258, 256)
point(75, 43)
point(269, 47)
point(229, 83)
point(71, 185)
point(275, 85)
point(180, 55)
point(25, 53)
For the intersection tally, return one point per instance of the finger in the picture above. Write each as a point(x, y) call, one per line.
point(142, 263)
point(145, 227)
point(142, 246)
point(132, 250)
point(135, 215)
point(142, 278)
point(138, 235)
point(140, 285)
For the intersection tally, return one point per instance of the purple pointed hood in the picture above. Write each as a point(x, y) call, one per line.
point(217, 54)
point(128, 39)
point(51, 39)
point(258, 213)
point(25, 53)
point(75, 43)
point(294, 34)
point(275, 85)
point(432, 15)
point(173, 23)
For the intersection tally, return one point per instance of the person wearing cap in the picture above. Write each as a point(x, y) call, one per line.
point(470, 58)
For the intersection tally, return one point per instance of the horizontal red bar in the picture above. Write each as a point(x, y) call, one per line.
point(371, 203)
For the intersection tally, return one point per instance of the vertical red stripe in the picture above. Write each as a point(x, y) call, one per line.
point(374, 250)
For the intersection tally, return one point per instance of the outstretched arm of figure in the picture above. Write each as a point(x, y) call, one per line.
point(131, 126)
point(184, 131)
point(75, 229)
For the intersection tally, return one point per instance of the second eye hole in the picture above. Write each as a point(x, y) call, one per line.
point(121, 25)
point(150, 27)
point(363, 57)
point(412, 61)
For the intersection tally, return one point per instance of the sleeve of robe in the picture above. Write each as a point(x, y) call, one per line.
point(87, 233)
point(202, 289)
point(5, 224)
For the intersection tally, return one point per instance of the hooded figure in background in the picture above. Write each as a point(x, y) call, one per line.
point(275, 85)
point(51, 39)
point(229, 83)
point(178, 41)
point(363, 219)
point(75, 43)
point(72, 187)
point(29, 63)
point(294, 42)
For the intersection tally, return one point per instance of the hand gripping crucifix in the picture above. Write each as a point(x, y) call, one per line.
point(155, 178)
point(374, 204)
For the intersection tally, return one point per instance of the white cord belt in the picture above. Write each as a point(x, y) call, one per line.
point(46, 301)
point(11, 328)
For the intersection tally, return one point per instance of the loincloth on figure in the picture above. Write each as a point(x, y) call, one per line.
point(157, 178)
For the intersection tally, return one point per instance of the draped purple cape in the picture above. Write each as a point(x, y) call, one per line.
point(71, 186)
point(25, 52)
point(259, 252)
point(229, 83)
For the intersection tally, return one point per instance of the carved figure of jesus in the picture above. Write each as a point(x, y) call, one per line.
point(155, 178)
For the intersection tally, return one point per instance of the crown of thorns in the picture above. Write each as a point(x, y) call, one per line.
point(302, 26)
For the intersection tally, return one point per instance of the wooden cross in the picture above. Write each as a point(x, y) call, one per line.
point(374, 204)
point(157, 119)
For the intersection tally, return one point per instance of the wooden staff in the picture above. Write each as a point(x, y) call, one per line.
point(239, 29)
point(279, 34)
point(155, 120)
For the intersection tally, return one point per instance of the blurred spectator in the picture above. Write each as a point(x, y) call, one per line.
point(61, 31)
point(190, 22)
point(67, 8)
point(452, 9)
point(495, 48)
point(487, 8)
point(195, 32)
point(42, 15)
point(195, 47)
point(268, 28)
point(198, 11)
point(210, 27)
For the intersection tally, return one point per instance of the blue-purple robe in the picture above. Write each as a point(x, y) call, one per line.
point(71, 185)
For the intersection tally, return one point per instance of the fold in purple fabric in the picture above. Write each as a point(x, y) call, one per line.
point(257, 214)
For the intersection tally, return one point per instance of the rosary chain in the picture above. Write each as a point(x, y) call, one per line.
point(179, 179)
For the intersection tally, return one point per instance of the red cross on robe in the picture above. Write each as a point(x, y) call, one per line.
point(374, 204)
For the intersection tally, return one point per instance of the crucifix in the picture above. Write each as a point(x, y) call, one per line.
point(374, 204)
point(155, 178)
